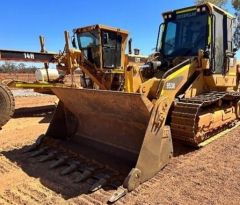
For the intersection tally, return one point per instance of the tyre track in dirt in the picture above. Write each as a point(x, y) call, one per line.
point(207, 176)
point(16, 187)
point(20, 182)
point(210, 175)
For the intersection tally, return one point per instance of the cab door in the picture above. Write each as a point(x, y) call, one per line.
point(111, 49)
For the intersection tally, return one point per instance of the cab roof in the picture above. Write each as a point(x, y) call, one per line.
point(210, 6)
point(100, 26)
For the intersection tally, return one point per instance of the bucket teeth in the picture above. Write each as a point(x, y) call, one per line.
point(36, 144)
point(119, 193)
point(73, 167)
point(100, 183)
point(39, 152)
point(86, 174)
point(50, 156)
point(59, 162)
point(40, 139)
point(31, 148)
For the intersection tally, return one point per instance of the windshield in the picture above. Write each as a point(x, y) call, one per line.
point(185, 35)
point(87, 39)
point(89, 45)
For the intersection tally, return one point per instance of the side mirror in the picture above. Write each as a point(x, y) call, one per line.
point(74, 42)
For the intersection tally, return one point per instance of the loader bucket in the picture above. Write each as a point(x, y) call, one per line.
point(111, 128)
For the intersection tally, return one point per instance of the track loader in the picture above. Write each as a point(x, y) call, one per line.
point(121, 136)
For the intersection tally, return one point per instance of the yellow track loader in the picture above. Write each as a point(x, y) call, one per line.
point(121, 136)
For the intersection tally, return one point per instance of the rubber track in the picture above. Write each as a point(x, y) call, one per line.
point(7, 104)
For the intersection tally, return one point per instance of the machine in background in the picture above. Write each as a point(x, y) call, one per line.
point(98, 51)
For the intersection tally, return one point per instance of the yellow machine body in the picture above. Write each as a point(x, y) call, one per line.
point(187, 90)
point(188, 97)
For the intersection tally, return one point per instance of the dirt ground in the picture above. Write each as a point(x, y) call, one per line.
point(33, 101)
point(210, 175)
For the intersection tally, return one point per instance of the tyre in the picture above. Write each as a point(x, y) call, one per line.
point(7, 104)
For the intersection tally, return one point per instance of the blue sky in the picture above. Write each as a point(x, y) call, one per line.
point(23, 21)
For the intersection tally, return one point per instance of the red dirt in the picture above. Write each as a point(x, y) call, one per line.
point(29, 77)
point(33, 101)
point(210, 175)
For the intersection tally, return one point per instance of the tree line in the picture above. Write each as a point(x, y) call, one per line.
point(9, 67)
point(221, 3)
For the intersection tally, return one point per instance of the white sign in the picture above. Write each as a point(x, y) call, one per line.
point(29, 56)
point(171, 86)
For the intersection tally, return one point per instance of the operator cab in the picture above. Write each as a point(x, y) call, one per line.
point(102, 46)
point(185, 34)
point(186, 31)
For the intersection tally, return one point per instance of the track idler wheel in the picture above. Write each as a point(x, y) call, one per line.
point(7, 105)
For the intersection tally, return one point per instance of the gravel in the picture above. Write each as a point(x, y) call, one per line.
point(25, 93)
